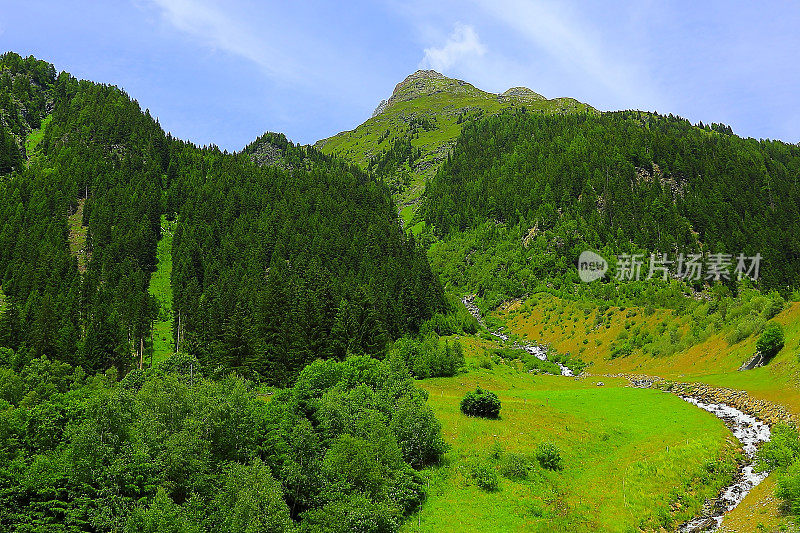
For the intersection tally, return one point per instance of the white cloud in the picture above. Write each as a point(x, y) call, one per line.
point(577, 46)
point(462, 46)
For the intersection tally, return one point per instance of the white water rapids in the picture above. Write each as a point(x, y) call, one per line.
point(751, 432)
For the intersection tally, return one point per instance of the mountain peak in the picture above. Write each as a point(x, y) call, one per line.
point(415, 77)
point(522, 93)
point(426, 83)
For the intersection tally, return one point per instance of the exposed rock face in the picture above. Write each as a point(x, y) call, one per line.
point(754, 362)
point(266, 154)
point(381, 107)
point(676, 184)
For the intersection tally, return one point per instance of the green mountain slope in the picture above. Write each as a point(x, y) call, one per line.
point(524, 194)
point(410, 134)
point(274, 266)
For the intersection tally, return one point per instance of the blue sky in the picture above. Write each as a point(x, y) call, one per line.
point(224, 72)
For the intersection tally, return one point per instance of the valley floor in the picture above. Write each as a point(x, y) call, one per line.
point(634, 459)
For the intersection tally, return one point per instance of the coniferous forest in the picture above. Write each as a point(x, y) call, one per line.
point(540, 189)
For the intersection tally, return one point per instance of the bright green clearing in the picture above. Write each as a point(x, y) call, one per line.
point(161, 289)
point(36, 136)
point(634, 459)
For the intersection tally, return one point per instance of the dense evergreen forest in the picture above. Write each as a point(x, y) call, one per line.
point(274, 267)
point(529, 192)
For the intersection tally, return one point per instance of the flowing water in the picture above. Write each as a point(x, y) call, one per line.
point(751, 432)
point(540, 352)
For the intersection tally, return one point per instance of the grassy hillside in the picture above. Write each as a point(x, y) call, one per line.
point(633, 459)
point(36, 136)
point(428, 110)
point(595, 333)
point(713, 357)
point(161, 289)
point(77, 236)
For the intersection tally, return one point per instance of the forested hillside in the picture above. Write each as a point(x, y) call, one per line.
point(288, 273)
point(523, 194)
point(273, 267)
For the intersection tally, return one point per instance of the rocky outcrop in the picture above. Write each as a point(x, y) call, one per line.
point(521, 94)
point(381, 108)
point(267, 154)
point(754, 362)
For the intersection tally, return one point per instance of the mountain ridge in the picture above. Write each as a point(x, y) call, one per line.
point(411, 133)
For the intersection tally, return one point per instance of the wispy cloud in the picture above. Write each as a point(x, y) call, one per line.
point(461, 46)
point(575, 44)
point(218, 29)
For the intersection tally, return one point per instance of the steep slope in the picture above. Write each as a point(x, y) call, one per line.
point(274, 266)
point(25, 100)
point(410, 134)
point(524, 194)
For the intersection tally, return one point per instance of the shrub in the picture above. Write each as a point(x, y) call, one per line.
point(744, 328)
point(428, 357)
point(781, 450)
point(514, 466)
point(782, 454)
point(771, 341)
point(789, 488)
point(481, 403)
point(485, 477)
point(549, 456)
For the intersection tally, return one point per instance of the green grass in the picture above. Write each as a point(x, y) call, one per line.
point(633, 459)
point(36, 136)
point(161, 289)
point(712, 359)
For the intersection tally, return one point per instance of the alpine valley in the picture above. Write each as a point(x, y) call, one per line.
point(391, 330)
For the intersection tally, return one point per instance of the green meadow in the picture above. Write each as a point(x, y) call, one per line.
point(633, 459)
point(36, 136)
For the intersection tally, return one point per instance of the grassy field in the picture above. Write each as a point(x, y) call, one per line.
point(575, 327)
point(161, 289)
point(633, 459)
point(77, 237)
point(36, 136)
point(591, 332)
